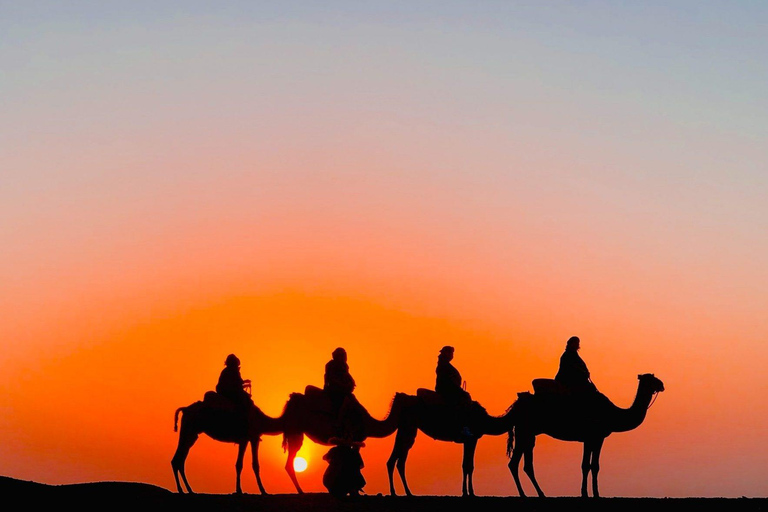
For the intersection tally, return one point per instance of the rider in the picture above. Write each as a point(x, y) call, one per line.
point(573, 372)
point(339, 385)
point(448, 385)
point(232, 386)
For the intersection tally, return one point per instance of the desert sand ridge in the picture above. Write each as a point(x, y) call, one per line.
point(118, 496)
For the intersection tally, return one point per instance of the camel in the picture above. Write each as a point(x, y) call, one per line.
point(203, 418)
point(428, 413)
point(311, 414)
point(561, 418)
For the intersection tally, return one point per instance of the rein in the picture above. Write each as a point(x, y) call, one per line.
point(653, 400)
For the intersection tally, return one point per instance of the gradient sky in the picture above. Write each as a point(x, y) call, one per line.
point(186, 180)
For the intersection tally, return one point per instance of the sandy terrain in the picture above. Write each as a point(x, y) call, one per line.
point(111, 496)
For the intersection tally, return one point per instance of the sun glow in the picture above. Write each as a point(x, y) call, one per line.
point(299, 464)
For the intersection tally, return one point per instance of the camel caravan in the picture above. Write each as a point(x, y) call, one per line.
point(568, 407)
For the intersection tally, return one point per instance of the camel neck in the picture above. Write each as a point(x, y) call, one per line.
point(498, 425)
point(386, 427)
point(631, 418)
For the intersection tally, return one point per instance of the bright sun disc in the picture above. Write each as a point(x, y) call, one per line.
point(299, 464)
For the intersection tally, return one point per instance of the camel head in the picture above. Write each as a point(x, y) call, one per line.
point(649, 380)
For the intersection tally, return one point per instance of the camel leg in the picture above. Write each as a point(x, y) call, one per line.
point(391, 470)
point(294, 445)
point(404, 441)
point(595, 466)
point(401, 471)
point(514, 466)
point(468, 467)
point(585, 467)
point(186, 441)
point(239, 465)
point(255, 464)
point(528, 468)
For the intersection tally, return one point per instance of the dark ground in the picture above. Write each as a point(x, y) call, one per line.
point(118, 496)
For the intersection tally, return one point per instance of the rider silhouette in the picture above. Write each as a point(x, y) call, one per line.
point(448, 384)
point(232, 386)
point(448, 378)
point(573, 372)
point(338, 382)
point(339, 385)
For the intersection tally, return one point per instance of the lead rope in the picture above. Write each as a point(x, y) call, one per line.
point(655, 396)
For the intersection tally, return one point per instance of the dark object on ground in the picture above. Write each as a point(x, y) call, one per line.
point(343, 475)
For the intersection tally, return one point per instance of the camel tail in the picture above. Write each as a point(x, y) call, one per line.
point(176, 419)
point(513, 413)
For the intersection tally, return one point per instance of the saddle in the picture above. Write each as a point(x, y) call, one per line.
point(435, 399)
point(549, 387)
point(430, 398)
point(318, 398)
point(215, 401)
point(550, 393)
point(462, 414)
point(229, 418)
point(321, 401)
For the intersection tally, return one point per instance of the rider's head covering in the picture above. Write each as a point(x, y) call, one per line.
point(232, 360)
point(446, 351)
point(339, 353)
point(573, 342)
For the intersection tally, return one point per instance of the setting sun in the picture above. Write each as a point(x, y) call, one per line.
point(299, 464)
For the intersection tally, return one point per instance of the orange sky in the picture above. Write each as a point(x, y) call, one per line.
point(91, 395)
point(184, 181)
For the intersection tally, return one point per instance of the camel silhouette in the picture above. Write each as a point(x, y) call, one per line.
point(221, 425)
point(440, 422)
point(569, 420)
point(311, 414)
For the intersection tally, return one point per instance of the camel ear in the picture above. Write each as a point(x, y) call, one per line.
point(638, 376)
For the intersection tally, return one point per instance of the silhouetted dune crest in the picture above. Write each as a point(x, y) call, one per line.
point(140, 497)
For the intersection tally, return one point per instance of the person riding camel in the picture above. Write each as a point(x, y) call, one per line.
point(232, 387)
point(573, 373)
point(338, 382)
point(448, 378)
point(339, 385)
point(448, 385)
